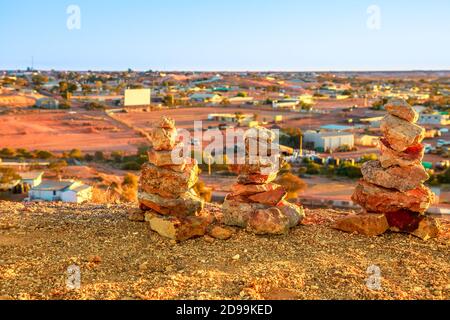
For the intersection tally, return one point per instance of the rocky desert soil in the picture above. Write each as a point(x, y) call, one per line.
point(120, 259)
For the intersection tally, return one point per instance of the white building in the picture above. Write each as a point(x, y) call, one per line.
point(65, 191)
point(434, 119)
point(32, 178)
point(206, 97)
point(137, 97)
point(286, 104)
point(329, 140)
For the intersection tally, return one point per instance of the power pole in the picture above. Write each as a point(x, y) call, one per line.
point(301, 145)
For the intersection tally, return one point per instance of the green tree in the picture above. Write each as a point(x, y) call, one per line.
point(45, 155)
point(76, 154)
point(8, 175)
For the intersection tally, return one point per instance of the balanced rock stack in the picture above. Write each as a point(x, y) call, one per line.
point(166, 198)
point(392, 190)
point(256, 203)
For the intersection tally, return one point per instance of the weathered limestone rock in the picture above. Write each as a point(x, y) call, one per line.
point(167, 183)
point(163, 139)
point(428, 228)
point(412, 156)
point(251, 189)
point(268, 221)
point(164, 158)
point(187, 204)
point(270, 198)
point(400, 178)
point(220, 233)
point(400, 108)
point(365, 224)
point(237, 213)
point(381, 200)
point(400, 133)
point(179, 229)
point(257, 178)
point(293, 212)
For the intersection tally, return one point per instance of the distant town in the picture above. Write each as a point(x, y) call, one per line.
point(83, 136)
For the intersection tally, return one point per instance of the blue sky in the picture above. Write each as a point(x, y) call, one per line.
point(226, 35)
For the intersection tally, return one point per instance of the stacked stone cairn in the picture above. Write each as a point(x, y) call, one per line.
point(392, 190)
point(166, 196)
point(256, 203)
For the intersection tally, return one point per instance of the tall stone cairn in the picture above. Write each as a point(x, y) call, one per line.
point(392, 190)
point(166, 197)
point(256, 203)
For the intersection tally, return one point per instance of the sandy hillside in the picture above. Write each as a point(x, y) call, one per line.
point(120, 259)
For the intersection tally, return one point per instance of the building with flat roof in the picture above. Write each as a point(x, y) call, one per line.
point(329, 141)
point(137, 97)
point(65, 191)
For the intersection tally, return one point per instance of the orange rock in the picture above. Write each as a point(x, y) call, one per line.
point(410, 157)
point(220, 233)
point(270, 198)
point(400, 133)
point(257, 178)
point(164, 138)
point(237, 213)
point(399, 178)
point(187, 204)
point(165, 182)
point(179, 229)
point(381, 200)
point(400, 108)
point(293, 212)
point(365, 224)
point(166, 159)
point(268, 221)
point(251, 189)
point(428, 228)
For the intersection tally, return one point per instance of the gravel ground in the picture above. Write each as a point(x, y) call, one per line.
point(120, 259)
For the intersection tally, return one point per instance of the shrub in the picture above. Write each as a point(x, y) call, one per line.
point(131, 165)
point(292, 184)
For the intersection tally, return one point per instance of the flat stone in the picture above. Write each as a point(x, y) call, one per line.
point(429, 228)
point(270, 198)
point(188, 204)
point(412, 156)
point(178, 229)
point(400, 108)
point(166, 159)
point(400, 133)
point(251, 189)
point(292, 211)
point(237, 213)
point(166, 182)
point(365, 224)
point(220, 233)
point(257, 178)
point(381, 200)
point(164, 138)
point(268, 221)
point(399, 178)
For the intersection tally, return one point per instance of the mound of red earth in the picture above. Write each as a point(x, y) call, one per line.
point(256, 203)
point(392, 191)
